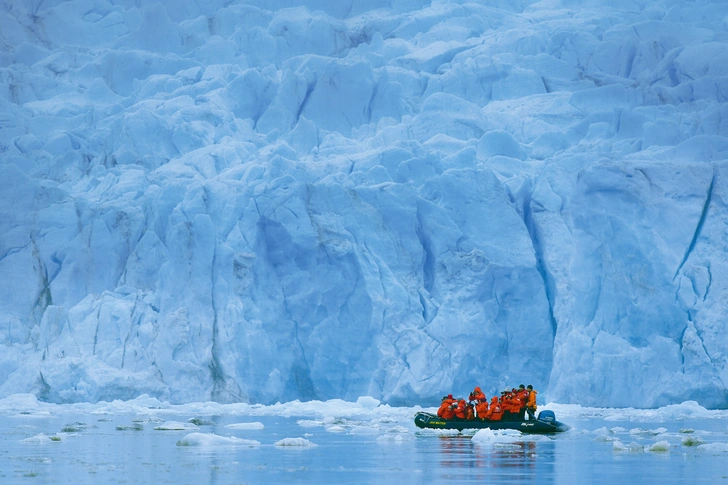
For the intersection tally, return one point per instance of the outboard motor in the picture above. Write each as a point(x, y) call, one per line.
point(547, 416)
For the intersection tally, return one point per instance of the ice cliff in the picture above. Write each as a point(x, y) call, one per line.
point(271, 200)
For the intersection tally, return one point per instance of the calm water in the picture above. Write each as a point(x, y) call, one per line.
point(93, 450)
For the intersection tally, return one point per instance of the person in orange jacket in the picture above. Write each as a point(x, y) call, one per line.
point(461, 409)
point(522, 395)
point(481, 408)
point(448, 411)
point(495, 413)
point(506, 404)
point(531, 404)
point(444, 404)
point(477, 394)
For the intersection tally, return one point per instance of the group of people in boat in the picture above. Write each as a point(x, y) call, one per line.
point(512, 405)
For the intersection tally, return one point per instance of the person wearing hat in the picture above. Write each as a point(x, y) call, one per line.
point(447, 408)
point(531, 404)
point(506, 404)
point(444, 404)
point(522, 397)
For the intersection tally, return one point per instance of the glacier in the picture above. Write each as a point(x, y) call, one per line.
point(263, 201)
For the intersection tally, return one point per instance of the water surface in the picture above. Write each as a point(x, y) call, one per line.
point(71, 447)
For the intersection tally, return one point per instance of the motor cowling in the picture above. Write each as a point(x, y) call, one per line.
point(547, 416)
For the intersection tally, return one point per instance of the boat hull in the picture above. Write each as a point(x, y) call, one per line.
point(538, 426)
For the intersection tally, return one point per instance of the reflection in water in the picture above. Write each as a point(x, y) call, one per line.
point(515, 461)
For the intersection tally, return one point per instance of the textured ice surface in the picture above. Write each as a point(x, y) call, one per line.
point(297, 442)
point(246, 202)
point(211, 439)
point(253, 425)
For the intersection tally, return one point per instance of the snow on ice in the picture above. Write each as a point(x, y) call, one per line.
point(248, 202)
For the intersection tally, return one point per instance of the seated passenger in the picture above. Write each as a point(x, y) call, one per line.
point(444, 404)
point(495, 413)
point(522, 395)
point(481, 408)
point(461, 409)
point(506, 405)
point(469, 412)
point(477, 395)
point(448, 411)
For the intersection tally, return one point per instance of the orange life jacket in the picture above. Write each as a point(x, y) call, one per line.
point(481, 409)
point(460, 410)
point(477, 395)
point(443, 407)
point(449, 411)
point(496, 412)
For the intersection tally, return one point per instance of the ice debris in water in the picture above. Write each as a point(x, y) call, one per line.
point(647, 432)
point(368, 402)
point(391, 437)
point(254, 425)
point(309, 423)
point(175, 426)
point(40, 439)
point(603, 434)
point(200, 422)
point(211, 439)
point(133, 427)
point(714, 448)
point(497, 438)
point(692, 441)
point(74, 427)
point(660, 447)
point(633, 447)
point(301, 442)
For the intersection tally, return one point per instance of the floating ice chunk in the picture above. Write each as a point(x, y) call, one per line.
point(40, 439)
point(74, 427)
point(200, 422)
point(301, 442)
point(336, 429)
point(309, 423)
point(647, 432)
point(175, 426)
point(635, 447)
point(617, 445)
point(211, 439)
point(692, 441)
point(496, 438)
point(397, 438)
point(254, 425)
point(133, 427)
point(603, 434)
point(365, 430)
point(660, 447)
point(368, 402)
point(618, 429)
point(438, 432)
point(714, 447)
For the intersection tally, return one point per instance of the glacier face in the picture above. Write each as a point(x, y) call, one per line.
point(257, 201)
